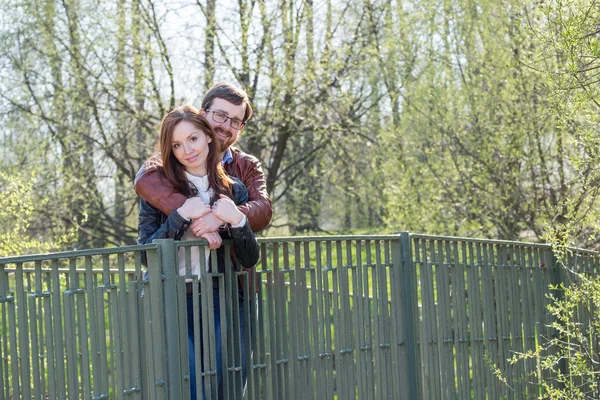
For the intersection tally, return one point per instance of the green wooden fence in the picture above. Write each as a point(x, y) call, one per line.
point(400, 316)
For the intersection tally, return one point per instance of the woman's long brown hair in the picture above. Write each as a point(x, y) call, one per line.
point(174, 170)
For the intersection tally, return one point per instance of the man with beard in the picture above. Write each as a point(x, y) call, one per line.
point(227, 109)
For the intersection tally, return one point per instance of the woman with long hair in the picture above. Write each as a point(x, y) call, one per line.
point(189, 153)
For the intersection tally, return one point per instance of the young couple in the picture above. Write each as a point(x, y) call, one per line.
point(199, 186)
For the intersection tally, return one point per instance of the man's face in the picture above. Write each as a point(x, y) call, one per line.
point(225, 133)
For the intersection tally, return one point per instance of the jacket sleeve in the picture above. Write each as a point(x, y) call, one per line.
point(158, 191)
point(151, 227)
point(239, 191)
point(258, 209)
point(245, 244)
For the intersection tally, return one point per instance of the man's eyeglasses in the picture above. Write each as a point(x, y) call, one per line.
point(221, 117)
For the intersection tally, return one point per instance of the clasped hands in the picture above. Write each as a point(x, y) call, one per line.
point(206, 220)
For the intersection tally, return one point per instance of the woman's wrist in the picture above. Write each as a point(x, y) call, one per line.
point(239, 221)
point(182, 213)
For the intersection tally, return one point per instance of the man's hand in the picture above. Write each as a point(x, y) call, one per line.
point(205, 224)
point(193, 208)
point(226, 210)
point(214, 240)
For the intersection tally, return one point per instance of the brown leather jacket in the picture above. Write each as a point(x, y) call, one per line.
point(158, 191)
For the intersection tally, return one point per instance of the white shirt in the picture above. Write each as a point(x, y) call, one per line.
point(201, 183)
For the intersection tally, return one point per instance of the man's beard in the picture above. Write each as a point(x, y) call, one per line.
point(225, 138)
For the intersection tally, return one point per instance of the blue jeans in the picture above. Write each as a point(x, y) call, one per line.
point(191, 344)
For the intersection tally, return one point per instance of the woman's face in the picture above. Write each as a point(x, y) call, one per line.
point(190, 147)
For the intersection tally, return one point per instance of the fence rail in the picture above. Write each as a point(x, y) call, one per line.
point(398, 316)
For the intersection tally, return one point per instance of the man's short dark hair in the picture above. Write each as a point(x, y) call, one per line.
point(226, 91)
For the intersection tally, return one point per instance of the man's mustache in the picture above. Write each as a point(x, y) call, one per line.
point(221, 131)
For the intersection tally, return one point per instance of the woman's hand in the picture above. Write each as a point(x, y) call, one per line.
point(208, 223)
point(193, 208)
point(226, 210)
point(214, 240)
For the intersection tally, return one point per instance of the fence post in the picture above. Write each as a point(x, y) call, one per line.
point(171, 309)
point(411, 314)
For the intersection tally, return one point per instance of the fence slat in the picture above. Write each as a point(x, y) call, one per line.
point(475, 324)
point(429, 348)
point(490, 331)
point(527, 301)
point(327, 350)
point(446, 331)
point(369, 341)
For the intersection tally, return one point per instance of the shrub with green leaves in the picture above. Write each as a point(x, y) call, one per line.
point(569, 360)
point(16, 215)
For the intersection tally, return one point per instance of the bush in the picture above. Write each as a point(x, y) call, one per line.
point(569, 361)
point(16, 215)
